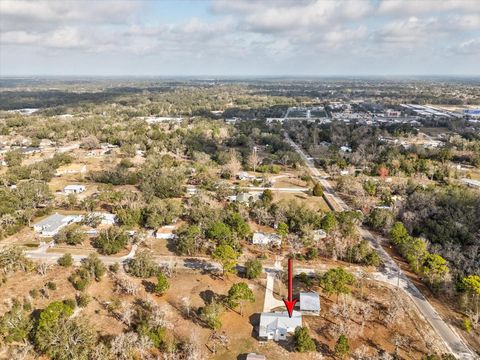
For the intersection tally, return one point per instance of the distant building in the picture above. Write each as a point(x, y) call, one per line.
point(310, 303)
point(165, 232)
point(244, 197)
point(74, 189)
point(243, 175)
point(253, 356)
point(51, 226)
point(392, 113)
point(276, 326)
point(105, 217)
point(261, 238)
point(231, 120)
point(345, 149)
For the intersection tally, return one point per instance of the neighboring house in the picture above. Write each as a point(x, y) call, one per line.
point(261, 238)
point(244, 197)
point(310, 303)
point(74, 189)
point(243, 175)
point(319, 234)
point(276, 325)
point(165, 232)
point(106, 218)
point(253, 356)
point(71, 169)
point(51, 226)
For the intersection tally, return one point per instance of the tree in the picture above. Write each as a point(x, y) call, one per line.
point(72, 234)
point(435, 268)
point(65, 260)
point(233, 166)
point(238, 224)
point(253, 268)
point(342, 347)
point(399, 234)
point(238, 294)
point(471, 284)
point(111, 240)
point(337, 281)
point(220, 232)
point(282, 229)
point(162, 284)
point(142, 265)
point(254, 160)
point(188, 240)
point(227, 257)
point(303, 340)
point(13, 158)
point(210, 315)
point(267, 196)
point(94, 266)
point(329, 222)
point(317, 190)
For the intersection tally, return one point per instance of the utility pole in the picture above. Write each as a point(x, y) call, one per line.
point(255, 159)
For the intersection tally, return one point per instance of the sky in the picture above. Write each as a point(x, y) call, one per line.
point(239, 37)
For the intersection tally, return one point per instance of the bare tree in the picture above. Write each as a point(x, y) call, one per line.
point(186, 305)
point(42, 268)
point(123, 285)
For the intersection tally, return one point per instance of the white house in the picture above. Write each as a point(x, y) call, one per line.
point(261, 238)
point(253, 356)
point(276, 325)
point(106, 218)
point(51, 226)
point(74, 189)
point(165, 232)
point(310, 303)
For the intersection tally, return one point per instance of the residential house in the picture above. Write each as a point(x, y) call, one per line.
point(74, 189)
point(261, 238)
point(253, 356)
point(165, 232)
point(51, 226)
point(276, 325)
point(106, 218)
point(310, 303)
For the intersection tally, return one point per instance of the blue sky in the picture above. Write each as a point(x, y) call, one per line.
point(239, 37)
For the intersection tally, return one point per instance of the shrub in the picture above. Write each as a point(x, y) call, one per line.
point(162, 284)
point(51, 285)
point(83, 300)
point(65, 260)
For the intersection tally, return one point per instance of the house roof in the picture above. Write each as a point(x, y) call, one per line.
point(56, 221)
point(309, 301)
point(253, 356)
point(278, 320)
point(74, 187)
point(262, 237)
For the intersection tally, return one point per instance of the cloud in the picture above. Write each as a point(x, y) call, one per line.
point(416, 8)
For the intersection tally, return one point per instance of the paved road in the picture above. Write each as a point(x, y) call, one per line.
point(192, 263)
point(393, 274)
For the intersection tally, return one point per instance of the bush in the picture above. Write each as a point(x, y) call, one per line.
point(83, 300)
point(114, 267)
point(162, 284)
point(80, 279)
point(33, 293)
point(65, 260)
point(51, 285)
point(467, 325)
point(342, 347)
point(317, 190)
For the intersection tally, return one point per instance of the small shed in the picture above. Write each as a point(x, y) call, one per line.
point(310, 303)
point(253, 356)
point(74, 189)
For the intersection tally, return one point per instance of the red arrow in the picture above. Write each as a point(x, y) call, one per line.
point(290, 303)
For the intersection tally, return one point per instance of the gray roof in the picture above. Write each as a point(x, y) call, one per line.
point(253, 356)
point(278, 320)
point(55, 221)
point(309, 301)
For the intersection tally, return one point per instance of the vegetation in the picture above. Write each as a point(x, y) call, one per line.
point(303, 340)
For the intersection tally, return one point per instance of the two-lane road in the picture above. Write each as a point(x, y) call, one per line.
point(394, 274)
